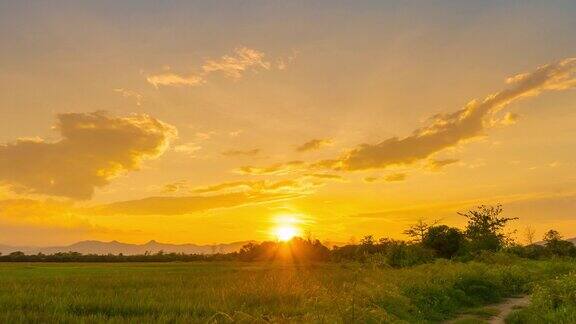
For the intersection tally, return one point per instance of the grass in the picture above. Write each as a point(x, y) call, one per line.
point(252, 292)
point(553, 301)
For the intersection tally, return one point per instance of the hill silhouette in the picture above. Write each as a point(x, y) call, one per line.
point(115, 247)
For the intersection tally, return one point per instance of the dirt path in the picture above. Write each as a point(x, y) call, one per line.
point(501, 310)
point(507, 307)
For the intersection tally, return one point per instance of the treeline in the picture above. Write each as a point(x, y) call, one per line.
point(148, 257)
point(485, 232)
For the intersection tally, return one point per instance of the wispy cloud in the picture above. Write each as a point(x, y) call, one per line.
point(232, 66)
point(275, 169)
point(436, 165)
point(232, 153)
point(295, 186)
point(175, 187)
point(394, 177)
point(187, 148)
point(130, 94)
point(174, 79)
point(313, 145)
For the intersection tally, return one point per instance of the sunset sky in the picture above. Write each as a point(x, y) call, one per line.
point(213, 121)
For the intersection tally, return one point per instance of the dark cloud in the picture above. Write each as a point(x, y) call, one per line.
point(313, 145)
point(436, 165)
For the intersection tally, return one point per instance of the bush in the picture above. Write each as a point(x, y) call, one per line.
point(553, 301)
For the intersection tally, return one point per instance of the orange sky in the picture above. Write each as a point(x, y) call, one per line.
point(209, 121)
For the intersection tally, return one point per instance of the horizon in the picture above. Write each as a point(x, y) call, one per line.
point(219, 122)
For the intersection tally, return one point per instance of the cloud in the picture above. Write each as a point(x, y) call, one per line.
point(173, 79)
point(326, 176)
point(232, 153)
point(232, 67)
point(313, 145)
point(509, 119)
point(187, 148)
point(436, 165)
point(130, 94)
point(395, 177)
point(371, 179)
point(448, 130)
point(94, 148)
point(275, 169)
point(175, 187)
point(296, 186)
point(187, 205)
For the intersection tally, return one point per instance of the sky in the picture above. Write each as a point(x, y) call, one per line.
point(218, 121)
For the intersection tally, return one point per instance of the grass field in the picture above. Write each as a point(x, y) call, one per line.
point(225, 292)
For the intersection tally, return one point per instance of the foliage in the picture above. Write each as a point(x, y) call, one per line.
point(385, 252)
point(553, 301)
point(484, 228)
point(418, 231)
point(446, 241)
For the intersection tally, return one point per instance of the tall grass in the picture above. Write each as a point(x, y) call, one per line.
point(252, 292)
point(553, 301)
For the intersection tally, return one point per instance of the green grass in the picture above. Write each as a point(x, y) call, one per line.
point(251, 292)
point(553, 301)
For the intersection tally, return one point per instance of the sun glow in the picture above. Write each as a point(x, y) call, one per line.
point(286, 227)
point(286, 233)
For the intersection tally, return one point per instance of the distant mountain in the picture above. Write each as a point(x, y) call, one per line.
point(573, 240)
point(115, 247)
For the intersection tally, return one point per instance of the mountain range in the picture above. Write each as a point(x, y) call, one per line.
point(115, 247)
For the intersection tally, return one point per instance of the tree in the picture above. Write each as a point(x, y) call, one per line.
point(419, 230)
point(445, 241)
point(367, 240)
point(552, 236)
point(485, 226)
point(529, 233)
point(555, 245)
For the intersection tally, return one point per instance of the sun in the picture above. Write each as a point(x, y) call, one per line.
point(286, 227)
point(286, 232)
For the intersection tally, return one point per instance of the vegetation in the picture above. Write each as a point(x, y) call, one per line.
point(441, 272)
point(261, 291)
point(553, 301)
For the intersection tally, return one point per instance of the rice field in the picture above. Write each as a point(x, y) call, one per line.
point(222, 292)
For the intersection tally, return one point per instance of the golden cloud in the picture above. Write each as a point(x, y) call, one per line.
point(448, 130)
point(394, 177)
point(276, 169)
point(231, 66)
point(234, 65)
point(173, 79)
point(444, 130)
point(313, 145)
point(94, 148)
point(298, 185)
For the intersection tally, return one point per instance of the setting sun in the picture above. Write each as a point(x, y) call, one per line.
point(285, 233)
point(287, 227)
